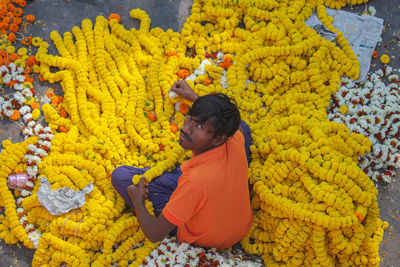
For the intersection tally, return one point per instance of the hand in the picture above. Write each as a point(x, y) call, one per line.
point(182, 88)
point(138, 193)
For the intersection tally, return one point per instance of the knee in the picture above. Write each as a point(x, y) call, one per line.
point(117, 175)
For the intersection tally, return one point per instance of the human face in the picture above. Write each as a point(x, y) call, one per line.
point(197, 136)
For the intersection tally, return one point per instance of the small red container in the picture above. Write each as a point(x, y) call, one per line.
point(17, 180)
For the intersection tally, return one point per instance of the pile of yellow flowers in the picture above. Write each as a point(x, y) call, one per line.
point(312, 204)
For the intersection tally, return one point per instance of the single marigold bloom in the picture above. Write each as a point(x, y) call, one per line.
point(3, 12)
point(173, 126)
point(3, 26)
point(7, 19)
point(62, 129)
point(152, 116)
point(375, 54)
point(36, 113)
point(10, 49)
point(14, 56)
point(385, 59)
point(11, 37)
point(31, 61)
point(184, 108)
point(21, 3)
point(30, 18)
point(17, 20)
point(54, 100)
point(14, 27)
point(173, 53)
point(27, 70)
point(27, 40)
point(41, 78)
point(183, 73)
point(34, 105)
point(63, 113)
point(114, 16)
point(207, 81)
point(359, 216)
point(15, 116)
point(50, 93)
point(19, 63)
point(36, 41)
point(18, 12)
point(11, 83)
point(28, 78)
point(22, 51)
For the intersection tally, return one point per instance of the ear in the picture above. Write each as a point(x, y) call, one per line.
point(219, 140)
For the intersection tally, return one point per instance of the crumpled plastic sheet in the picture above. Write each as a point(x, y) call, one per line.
point(61, 200)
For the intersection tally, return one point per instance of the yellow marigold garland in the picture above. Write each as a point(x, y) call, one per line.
point(312, 204)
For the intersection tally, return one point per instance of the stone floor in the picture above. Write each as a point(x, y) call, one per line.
point(62, 15)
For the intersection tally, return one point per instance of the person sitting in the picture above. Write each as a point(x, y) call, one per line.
point(206, 199)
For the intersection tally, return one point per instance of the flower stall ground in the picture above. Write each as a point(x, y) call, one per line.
point(62, 15)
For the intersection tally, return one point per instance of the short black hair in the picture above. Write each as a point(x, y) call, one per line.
point(221, 110)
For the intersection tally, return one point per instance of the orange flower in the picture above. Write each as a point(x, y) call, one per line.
point(184, 108)
point(17, 20)
point(27, 40)
point(3, 26)
point(207, 81)
point(173, 126)
point(14, 56)
point(11, 83)
point(14, 27)
point(7, 19)
point(152, 116)
point(375, 54)
point(50, 93)
point(225, 65)
point(11, 37)
point(21, 3)
point(34, 105)
point(170, 54)
point(31, 61)
point(63, 113)
point(227, 62)
point(41, 78)
point(27, 70)
point(30, 18)
point(11, 7)
point(115, 16)
point(18, 12)
point(183, 73)
point(54, 100)
point(28, 78)
point(62, 129)
point(359, 216)
point(15, 116)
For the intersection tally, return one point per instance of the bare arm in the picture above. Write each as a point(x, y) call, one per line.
point(183, 89)
point(155, 229)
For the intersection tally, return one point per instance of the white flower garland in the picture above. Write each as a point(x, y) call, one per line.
point(372, 108)
point(171, 252)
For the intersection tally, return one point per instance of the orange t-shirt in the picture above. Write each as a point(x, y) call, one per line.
point(211, 204)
